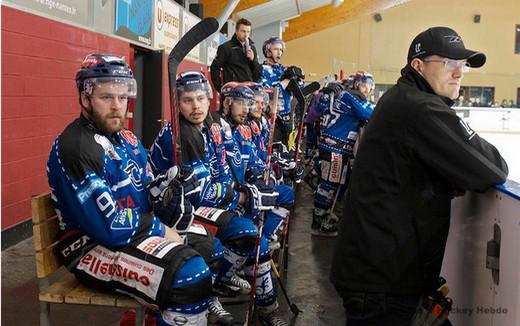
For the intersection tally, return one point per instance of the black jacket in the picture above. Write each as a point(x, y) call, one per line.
point(236, 66)
point(414, 153)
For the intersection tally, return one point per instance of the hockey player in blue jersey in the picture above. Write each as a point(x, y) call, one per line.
point(202, 148)
point(339, 131)
point(99, 179)
point(273, 73)
point(257, 120)
point(246, 166)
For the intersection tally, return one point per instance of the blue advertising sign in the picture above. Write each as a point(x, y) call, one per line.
point(134, 20)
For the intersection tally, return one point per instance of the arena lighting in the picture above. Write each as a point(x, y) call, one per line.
point(336, 3)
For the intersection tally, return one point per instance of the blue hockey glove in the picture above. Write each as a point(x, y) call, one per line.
point(259, 198)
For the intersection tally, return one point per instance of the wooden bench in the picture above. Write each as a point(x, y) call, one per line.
point(66, 290)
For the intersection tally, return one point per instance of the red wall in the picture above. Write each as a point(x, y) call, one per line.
point(39, 60)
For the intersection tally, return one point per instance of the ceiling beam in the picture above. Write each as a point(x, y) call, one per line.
point(325, 17)
point(213, 8)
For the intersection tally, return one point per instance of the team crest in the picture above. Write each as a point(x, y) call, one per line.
point(255, 128)
point(245, 131)
point(129, 137)
point(216, 133)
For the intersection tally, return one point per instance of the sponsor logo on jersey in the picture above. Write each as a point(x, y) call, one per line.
point(107, 146)
point(213, 193)
point(107, 265)
point(84, 194)
point(129, 137)
point(157, 246)
point(123, 220)
point(335, 168)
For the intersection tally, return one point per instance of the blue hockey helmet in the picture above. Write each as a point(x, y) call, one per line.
point(238, 93)
point(98, 69)
point(190, 81)
point(364, 78)
point(269, 42)
point(259, 91)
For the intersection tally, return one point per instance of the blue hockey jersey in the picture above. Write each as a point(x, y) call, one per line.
point(271, 78)
point(210, 167)
point(98, 183)
point(340, 125)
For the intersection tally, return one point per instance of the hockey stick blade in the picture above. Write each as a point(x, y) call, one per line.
point(191, 39)
point(311, 88)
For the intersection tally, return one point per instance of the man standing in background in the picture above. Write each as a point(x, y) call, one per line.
point(236, 58)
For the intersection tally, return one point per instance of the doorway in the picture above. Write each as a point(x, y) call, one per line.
point(147, 112)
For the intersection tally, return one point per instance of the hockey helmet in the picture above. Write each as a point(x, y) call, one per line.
point(98, 69)
point(363, 77)
point(269, 42)
point(190, 81)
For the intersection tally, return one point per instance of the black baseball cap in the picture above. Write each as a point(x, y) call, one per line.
point(445, 42)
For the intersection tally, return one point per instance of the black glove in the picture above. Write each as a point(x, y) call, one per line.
point(293, 72)
point(297, 173)
point(259, 198)
point(168, 194)
point(185, 175)
point(253, 176)
point(172, 208)
point(333, 88)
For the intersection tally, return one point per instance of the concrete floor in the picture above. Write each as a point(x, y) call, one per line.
point(306, 282)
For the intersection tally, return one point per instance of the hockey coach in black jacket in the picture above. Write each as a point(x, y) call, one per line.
point(237, 58)
point(415, 156)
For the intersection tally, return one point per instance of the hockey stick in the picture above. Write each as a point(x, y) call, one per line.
point(294, 308)
point(194, 36)
point(252, 294)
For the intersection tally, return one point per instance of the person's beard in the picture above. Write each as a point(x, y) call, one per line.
point(104, 124)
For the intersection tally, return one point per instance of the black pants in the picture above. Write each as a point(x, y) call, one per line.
point(379, 309)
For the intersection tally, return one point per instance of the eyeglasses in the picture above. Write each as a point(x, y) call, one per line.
point(451, 65)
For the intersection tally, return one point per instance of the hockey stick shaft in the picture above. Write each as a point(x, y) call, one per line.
point(294, 308)
point(191, 39)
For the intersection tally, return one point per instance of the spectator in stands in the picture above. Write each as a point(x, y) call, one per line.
point(237, 58)
point(415, 156)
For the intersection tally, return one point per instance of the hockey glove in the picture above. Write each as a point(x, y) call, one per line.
point(285, 160)
point(332, 88)
point(297, 174)
point(259, 198)
point(293, 72)
point(185, 175)
point(172, 208)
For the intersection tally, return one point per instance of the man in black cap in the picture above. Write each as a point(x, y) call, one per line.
point(415, 156)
